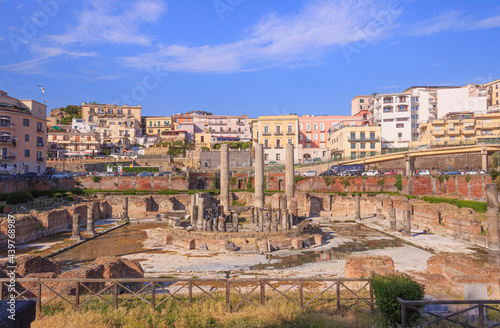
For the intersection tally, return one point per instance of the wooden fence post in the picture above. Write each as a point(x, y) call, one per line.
point(338, 295)
point(372, 306)
point(77, 295)
point(190, 287)
point(153, 295)
point(262, 292)
point(115, 294)
point(301, 292)
point(228, 294)
point(39, 296)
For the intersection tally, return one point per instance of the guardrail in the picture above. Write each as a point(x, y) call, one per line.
point(479, 306)
point(343, 292)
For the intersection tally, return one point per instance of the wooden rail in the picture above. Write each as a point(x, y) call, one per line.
point(304, 292)
point(481, 305)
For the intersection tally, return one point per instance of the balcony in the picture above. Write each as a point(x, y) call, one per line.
point(40, 144)
point(39, 130)
point(469, 131)
point(8, 158)
point(388, 101)
point(7, 141)
point(363, 140)
point(40, 159)
point(488, 126)
point(454, 132)
point(437, 132)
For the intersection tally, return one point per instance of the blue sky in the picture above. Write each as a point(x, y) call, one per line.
point(242, 56)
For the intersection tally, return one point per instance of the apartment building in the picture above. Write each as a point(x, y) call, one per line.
point(73, 143)
point(351, 142)
point(230, 127)
point(360, 103)
point(274, 132)
point(493, 94)
point(314, 131)
point(117, 125)
point(82, 127)
point(156, 125)
point(23, 135)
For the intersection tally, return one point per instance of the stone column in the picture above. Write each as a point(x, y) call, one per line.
point(357, 206)
point(252, 218)
point(274, 223)
point(294, 208)
point(380, 205)
point(194, 215)
point(204, 225)
point(125, 209)
point(283, 205)
point(493, 232)
point(408, 165)
point(236, 222)
point(392, 218)
point(210, 224)
point(290, 220)
point(259, 176)
point(90, 220)
point(484, 158)
point(407, 222)
point(261, 220)
point(289, 174)
point(216, 223)
point(75, 235)
point(284, 220)
point(268, 221)
point(191, 206)
point(224, 175)
point(222, 223)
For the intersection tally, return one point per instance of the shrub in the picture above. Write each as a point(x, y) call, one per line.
point(329, 181)
point(298, 178)
point(381, 181)
point(19, 197)
point(168, 192)
point(57, 195)
point(441, 179)
point(388, 288)
point(236, 203)
point(494, 173)
point(1, 208)
point(96, 178)
point(346, 182)
point(129, 192)
point(399, 182)
point(467, 178)
point(478, 207)
point(249, 182)
point(69, 198)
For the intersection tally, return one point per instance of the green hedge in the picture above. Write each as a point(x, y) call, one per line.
point(19, 197)
point(479, 207)
point(141, 169)
point(388, 288)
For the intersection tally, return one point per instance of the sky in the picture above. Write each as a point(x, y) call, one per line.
point(233, 57)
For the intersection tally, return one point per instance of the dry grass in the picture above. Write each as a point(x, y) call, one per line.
point(209, 314)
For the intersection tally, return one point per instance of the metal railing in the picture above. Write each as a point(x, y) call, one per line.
point(479, 306)
point(342, 292)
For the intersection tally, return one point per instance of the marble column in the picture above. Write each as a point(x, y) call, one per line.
point(259, 176)
point(224, 175)
point(75, 235)
point(289, 173)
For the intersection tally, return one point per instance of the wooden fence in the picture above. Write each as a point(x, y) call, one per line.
point(478, 318)
point(337, 292)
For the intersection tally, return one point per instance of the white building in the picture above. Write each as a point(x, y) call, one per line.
point(82, 127)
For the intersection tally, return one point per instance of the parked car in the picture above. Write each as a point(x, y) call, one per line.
point(327, 173)
point(309, 174)
point(308, 161)
point(128, 174)
point(163, 174)
point(317, 159)
point(372, 173)
point(473, 172)
point(482, 172)
point(452, 172)
point(422, 147)
point(145, 174)
point(272, 163)
point(423, 172)
point(297, 173)
point(60, 175)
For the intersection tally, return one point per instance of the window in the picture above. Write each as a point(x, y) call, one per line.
point(39, 127)
point(26, 153)
point(290, 129)
point(322, 127)
point(301, 137)
point(308, 138)
point(414, 99)
point(266, 129)
point(315, 136)
point(353, 146)
point(362, 135)
point(362, 145)
point(26, 122)
point(278, 157)
point(266, 143)
point(27, 138)
point(400, 135)
point(438, 139)
point(400, 125)
point(39, 141)
point(372, 145)
point(322, 145)
point(278, 129)
point(301, 126)
point(372, 135)
point(202, 138)
point(129, 112)
point(110, 111)
point(361, 100)
point(278, 143)
point(308, 127)
point(308, 146)
point(315, 126)
point(452, 139)
point(91, 119)
point(266, 157)
point(290, 141)
point(353, 135)
point(414, 107)
point(322, 137)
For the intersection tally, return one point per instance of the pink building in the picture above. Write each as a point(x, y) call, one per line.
point(360, 103)
point(314, 130)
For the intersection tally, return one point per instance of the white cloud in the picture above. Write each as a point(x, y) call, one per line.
point(455, 21)
point(276, 40)
point(102, 21)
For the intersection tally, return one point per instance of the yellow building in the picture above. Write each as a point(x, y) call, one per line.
point(117, 125)
point(74, 143)
point(274, 132)
point(493, 94)
point(351, 142)
point(460, 129)
point(156, 125)
point(203, 140)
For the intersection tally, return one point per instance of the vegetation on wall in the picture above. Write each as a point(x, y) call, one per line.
point(399, 182)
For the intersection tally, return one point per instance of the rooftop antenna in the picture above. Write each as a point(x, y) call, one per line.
point(43, 89)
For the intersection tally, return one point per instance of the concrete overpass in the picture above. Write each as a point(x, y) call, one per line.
point(409, 156)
